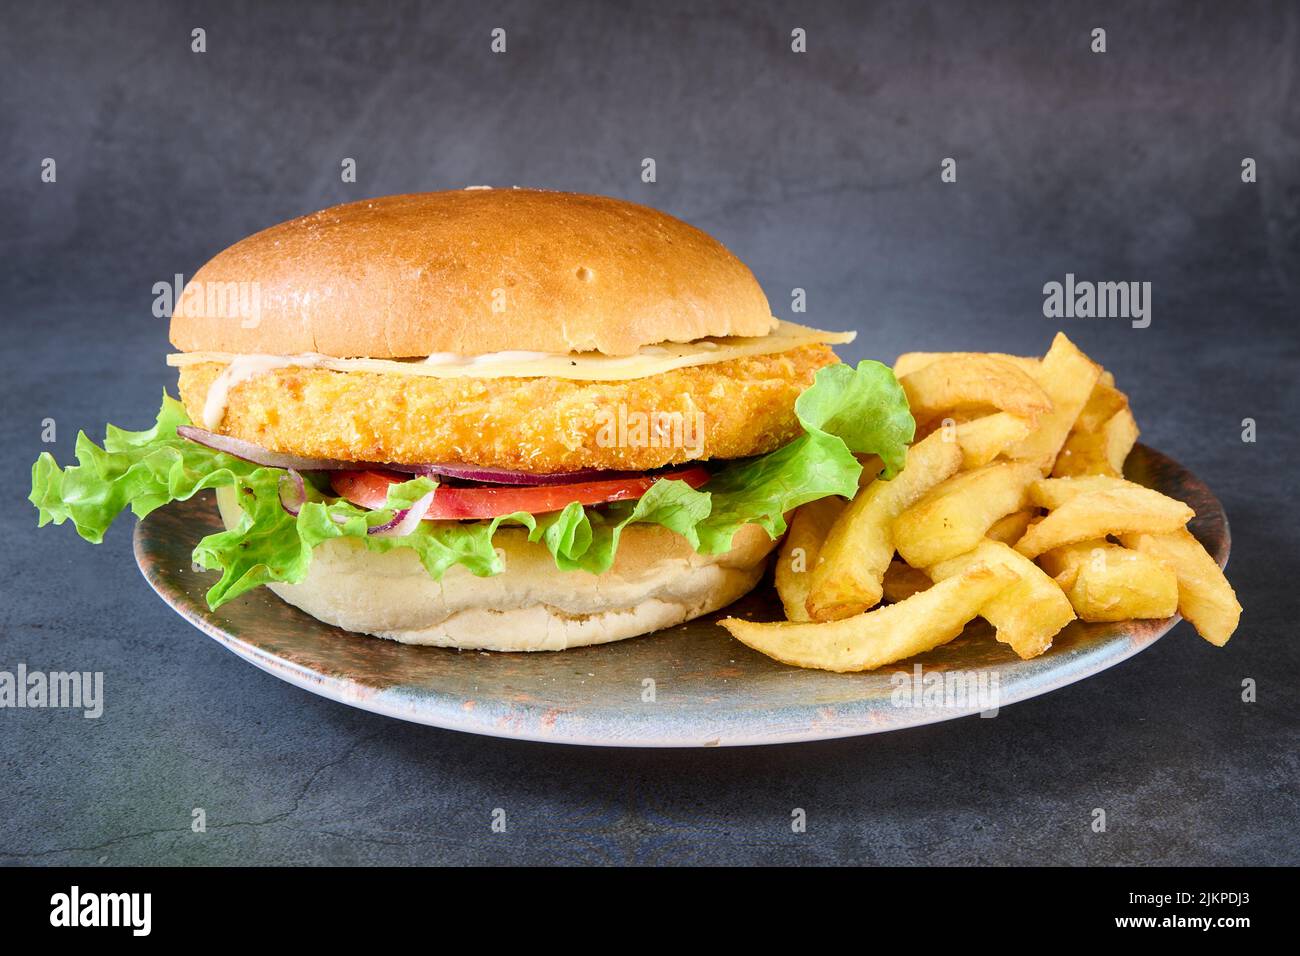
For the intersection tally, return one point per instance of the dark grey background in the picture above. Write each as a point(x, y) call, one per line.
point(821, 171)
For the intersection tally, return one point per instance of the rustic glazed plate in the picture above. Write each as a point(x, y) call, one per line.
point(688, 686)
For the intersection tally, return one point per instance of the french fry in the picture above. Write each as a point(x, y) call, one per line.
point(887, 634)
point(983, 439)
point(912, 361)
point(1012, 527)
point(1026, 615)
point(1205, 598)
point(947, 423)
point(1096, 514)
point(1053, 492)
point(808, 529)
point(1102, 452)
point(1062, 564)
point(966, 521)
point(847, 578)
point(974, 380)
point(1106, 582)
point(1103, 404)
point(952, 517)
point(1120, 434)
point(902, 581)
point(1068, 377)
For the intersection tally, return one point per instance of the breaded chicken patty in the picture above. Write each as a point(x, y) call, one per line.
point(730, 409)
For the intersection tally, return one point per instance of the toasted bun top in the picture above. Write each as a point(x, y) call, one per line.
point(470, 272)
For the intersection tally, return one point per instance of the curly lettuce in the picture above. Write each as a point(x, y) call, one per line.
point(846, 412)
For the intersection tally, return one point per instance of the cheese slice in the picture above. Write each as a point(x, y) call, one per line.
point(579, 366)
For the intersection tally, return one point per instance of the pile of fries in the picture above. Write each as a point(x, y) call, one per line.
point(1012, 507)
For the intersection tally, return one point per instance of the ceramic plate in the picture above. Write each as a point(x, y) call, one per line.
point(707, 689)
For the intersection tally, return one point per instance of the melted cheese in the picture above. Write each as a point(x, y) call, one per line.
point(579, 366)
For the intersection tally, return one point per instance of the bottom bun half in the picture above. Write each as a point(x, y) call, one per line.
point(657, 580)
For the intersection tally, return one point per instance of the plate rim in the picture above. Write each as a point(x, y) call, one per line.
point(442, 714)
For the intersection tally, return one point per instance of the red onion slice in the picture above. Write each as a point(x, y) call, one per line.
point(293, 495)
point(238, 448)
point(292, 500)
point(502, 476)
point(256, 454)
point(404, 521)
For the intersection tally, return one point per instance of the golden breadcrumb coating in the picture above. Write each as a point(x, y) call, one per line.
point(730, 409)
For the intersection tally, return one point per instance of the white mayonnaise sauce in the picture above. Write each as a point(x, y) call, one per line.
point(241, 369)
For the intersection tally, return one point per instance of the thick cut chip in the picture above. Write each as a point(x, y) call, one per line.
point(1205, 597)
point(1012, 528)
point(1103, 404)
point(1106, 582)
point(851, 566)
point(1120, 510)
point(1120, 435)
point(953, 517)
point(1068, 377)
point(1026, 615)
point(1063, 563)
point(1053, 492)
point(883, 636)
point(983, 439)
point(974, 380)
point(808, 529)
point(902, 581)
point(1100, 452)
point(910, 362)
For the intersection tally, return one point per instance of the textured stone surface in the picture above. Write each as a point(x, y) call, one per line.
point(822, 172)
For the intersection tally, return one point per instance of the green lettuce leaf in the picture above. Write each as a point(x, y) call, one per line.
point(141, 470)
point(846, 412)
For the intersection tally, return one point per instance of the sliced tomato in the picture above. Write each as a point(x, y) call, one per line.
point(369, 489)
